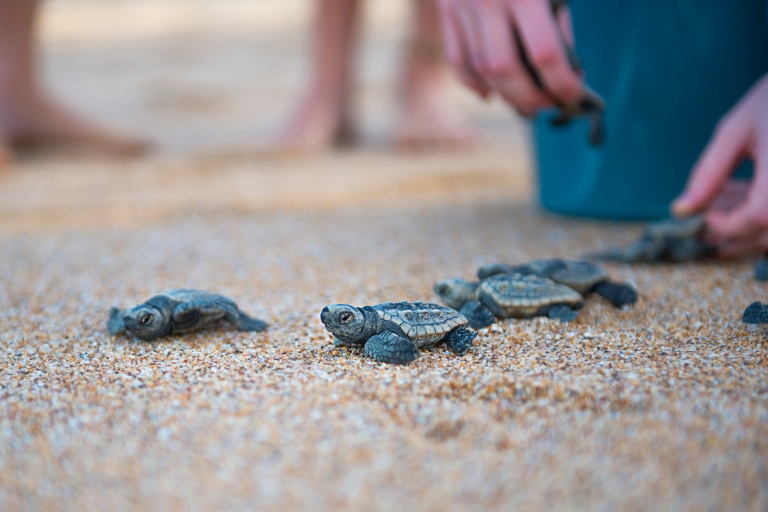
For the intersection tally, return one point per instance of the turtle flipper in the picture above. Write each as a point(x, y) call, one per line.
point(562, 312)
point(756, 313)
point(245, 323)
point(478, 315)
point(183, 310)
point(460, 339)
point(115, 324)
point(388, 347)
point(617, 294)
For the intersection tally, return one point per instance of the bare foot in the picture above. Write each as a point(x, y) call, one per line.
point(429, 115)
point(318, 124)
point(32, 121)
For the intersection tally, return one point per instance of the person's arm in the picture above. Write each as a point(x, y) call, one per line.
point(741, 134)
point(481, 46)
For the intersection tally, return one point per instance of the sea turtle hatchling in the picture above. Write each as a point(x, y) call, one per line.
point(675, 240)
point(583, 276)
point(178, 311)
point(591, 105)
point(392, 332)
point(509, 296)
point(755, 314)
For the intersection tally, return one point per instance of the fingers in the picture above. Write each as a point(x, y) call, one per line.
point(543, 45)
point(733, 194)
point(746, 227)
point(497, 58)
point(731, 249)
point(725, 150)
point(458, 47)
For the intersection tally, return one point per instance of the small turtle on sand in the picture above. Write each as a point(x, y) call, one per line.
point(755, 314)
point(392, 332)
point(675, 240)
point(582, 276)
point(178, 311)
point(509, 296)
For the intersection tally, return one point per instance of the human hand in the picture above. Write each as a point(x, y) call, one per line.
point(741, 133)
point(481, 45)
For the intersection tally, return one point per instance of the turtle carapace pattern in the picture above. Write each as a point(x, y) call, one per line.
point(509, 296)
point(392, 332)
point(583, 276)
point(675, 240)
point(178, 311)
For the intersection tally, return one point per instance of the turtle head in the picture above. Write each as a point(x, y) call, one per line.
point(456, 292)
point(149, 320)
point(345, 322)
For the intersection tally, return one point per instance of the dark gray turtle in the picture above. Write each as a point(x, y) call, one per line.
point(582, 276)
point(591, 105)
point(393, 332)
point(756, 316)
point(509, 296)
point(673, 240)
point(178, 311)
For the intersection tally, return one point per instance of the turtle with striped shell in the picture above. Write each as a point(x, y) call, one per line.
point(179, 311)
point(582, 276)
point(392, 332)
point(509, 296)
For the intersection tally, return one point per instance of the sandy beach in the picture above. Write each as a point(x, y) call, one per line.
point(658, 406)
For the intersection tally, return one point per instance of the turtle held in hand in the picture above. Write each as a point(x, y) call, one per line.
point(591, 105)
point(178, 311)
point(582, 276)
point(392, 332)
point(674, 240)
point(509, 296)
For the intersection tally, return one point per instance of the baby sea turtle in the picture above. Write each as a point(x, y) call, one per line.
point(392, 332)
point(674, 240)
point(178, 311)
point(756, 313)
point(509, 296)
point(582, 276)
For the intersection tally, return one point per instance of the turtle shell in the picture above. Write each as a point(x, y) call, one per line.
point(217, 306)
point(519, 296)
point(423, 323)
point(580, 275)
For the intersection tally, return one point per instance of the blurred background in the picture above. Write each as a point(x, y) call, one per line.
point(211, 83)
point(219, 75)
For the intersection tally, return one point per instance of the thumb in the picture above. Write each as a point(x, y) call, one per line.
point(723, 153)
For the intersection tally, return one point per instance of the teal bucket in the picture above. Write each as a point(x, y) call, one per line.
point(668, 70)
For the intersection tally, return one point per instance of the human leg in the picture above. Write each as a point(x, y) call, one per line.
point(429, 116)
point(324, 114)
point(28, 116)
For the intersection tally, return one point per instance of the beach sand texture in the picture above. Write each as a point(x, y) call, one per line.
point(658, 406)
